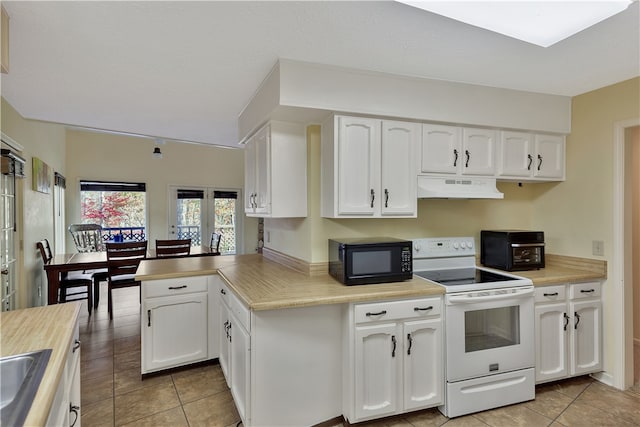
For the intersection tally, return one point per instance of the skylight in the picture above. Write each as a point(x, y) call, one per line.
point(543, 23)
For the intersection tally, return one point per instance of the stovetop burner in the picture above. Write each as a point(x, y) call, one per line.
point(462, 276)
point(450, 262)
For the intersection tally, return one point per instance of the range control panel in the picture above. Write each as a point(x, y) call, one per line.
point(443, 247)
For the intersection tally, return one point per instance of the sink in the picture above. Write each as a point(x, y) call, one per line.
point(20, 377)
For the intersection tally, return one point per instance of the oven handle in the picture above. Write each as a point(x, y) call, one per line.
point(526, 245)
point(470, 299)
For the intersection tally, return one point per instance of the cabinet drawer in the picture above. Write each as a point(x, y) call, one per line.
point(392, 310)
point(584, 290)
point(167, 287)
point(239, 310)
point(550, 293)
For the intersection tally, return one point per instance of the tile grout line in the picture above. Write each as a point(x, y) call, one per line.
point(570, 404)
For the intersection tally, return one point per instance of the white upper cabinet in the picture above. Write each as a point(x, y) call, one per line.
point(368, 167)
point(440, 149)
point(455, 150)
point(398, 168)
point(478, 152)
point(527, 156)
point(358, 165)
point(276, 171)
point(549, 157)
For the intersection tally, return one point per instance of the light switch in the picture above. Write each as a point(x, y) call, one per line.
point(598, 247)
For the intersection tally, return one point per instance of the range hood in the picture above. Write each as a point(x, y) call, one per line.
point(435, 187)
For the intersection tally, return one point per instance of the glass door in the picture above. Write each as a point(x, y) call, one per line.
point(197, 212)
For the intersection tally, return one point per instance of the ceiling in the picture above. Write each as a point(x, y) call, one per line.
point(185, 70)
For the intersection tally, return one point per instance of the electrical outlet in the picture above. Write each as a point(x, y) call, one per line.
point(597, 247)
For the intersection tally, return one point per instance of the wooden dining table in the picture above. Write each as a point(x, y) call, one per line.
point(81, 261)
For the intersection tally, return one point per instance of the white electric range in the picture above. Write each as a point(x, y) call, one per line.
point(489, 327)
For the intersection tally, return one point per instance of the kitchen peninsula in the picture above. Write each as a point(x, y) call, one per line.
point(285, 329)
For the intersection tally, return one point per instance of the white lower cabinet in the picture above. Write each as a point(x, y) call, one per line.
point(568, 321)
point(394, 358)
point(235, 347)
point(65, 410)
point(174, 327)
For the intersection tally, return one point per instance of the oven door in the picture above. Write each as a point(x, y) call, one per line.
point(489, 332)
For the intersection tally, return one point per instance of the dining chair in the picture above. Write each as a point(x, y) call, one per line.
point(88, 238)
point(173, 248)
point(122, 262)
point(70, 281)
point(214, 245)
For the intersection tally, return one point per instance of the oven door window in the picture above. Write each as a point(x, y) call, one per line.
point(491, 328)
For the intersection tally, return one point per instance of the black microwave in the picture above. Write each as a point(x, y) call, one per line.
point(360, 261)
point(512, 250)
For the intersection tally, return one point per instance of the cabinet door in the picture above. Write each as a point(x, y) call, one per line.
point(515, 154)
point(263, 172)
point(549, 160)
point(240, 368)
point(399, 142)
point(478, 151)
point(358, 166)
point(174, 331)
point(440, 149)
point(423, 375)
point(225, 349)
point(249, 175)
point(551, 325)
point(585, 337)
point(377, 352)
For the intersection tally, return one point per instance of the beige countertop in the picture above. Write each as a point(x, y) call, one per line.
point(40, 328)
point(554, 275)
point(268, 285)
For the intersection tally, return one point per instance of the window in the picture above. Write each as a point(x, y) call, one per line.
point(119, 207)
point(197, 212)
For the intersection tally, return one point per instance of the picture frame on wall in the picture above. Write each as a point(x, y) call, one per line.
point(41, 176)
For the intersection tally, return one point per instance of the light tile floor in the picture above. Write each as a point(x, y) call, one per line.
point(113, 393)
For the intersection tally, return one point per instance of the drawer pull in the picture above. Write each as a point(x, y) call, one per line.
point(149, 318)
point(410, 344)
point(222, 291)
point(554, 294)
point(76, 345)
point(587, 291)
point(566, 320)
point(423, 308)
point(577, 320)
point(173, 288)
point(380, 313)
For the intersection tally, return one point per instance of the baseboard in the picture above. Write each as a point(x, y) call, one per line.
point(604, 377)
